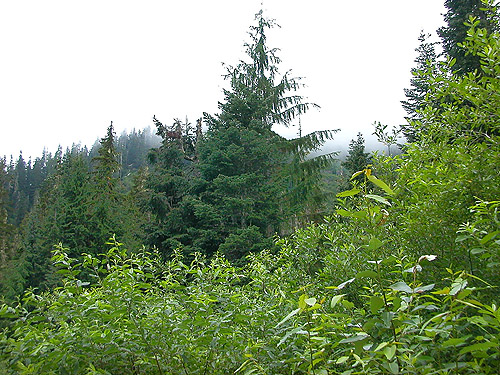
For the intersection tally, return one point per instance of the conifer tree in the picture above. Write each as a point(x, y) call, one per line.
point(106, 163)
point(240, 182)
point(357, 159)
point(455, 31)
point(426, 64)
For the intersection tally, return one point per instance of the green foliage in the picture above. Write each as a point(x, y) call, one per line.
point(292, 312)
point(356, 159)
point(385, 137)
point(352, 294)
point(209, 191)
point(426, 65)
point(455, 32)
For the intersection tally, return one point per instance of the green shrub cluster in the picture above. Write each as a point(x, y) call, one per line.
point(320, 305)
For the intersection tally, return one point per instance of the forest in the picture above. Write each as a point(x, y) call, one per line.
point(220, 247)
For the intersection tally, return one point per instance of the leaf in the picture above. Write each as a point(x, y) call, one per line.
point(477, 250)
point(401, 286)
point(360, 214)
point(378, 198)
point(336, 300)
point(354, 338)
point(462, 238)
point(389, 351)
point(310, 301)
point(483, 346)
point(347, 304)
point(341, 360)
point(341, 286)
point(380, 346)
point(394, 367)
point(414, 269)
point(348, 193)
point(375, 304)
point(489, 237)
point(374, 244)
point(288, 317)
point(344, 213)
point(381, 184)
point(302, 302)
point(424, 288)
point(457, 286)
point(356, 174)
point(289, 333)
point(356, 214)
point(454, 342)
point(387, 318)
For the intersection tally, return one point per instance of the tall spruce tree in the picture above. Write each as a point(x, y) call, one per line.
point(455, 31)
point(106, 163)
point(257, 176)
point(237, 190)
point(426, 64)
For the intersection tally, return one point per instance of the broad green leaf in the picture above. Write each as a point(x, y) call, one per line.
point(289, 333)
point(302, 302)
point(489, 237)
point(401, 286)
point(354, 338)
point(356, 214)
point(310, 301)
point(483, 346)
point(349, 193)
point(424, 288)
point(381, 184)
point(374, 244)
point(387, 318)
point(336, 300)
point(288, 317)
point(344, 213)
point(455, 341)
point(378, 198)
point(375, 304)
point(477, 250)
point(462, 237)
point(341, 360)
point(360, 214)
point(394, 367)
point(347, 304)
point(380, 346)
point(457, 286)
point(389, 351)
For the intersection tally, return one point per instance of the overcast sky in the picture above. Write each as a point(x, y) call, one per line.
point(68, 68)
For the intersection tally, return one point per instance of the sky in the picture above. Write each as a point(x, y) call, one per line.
point(69, 68)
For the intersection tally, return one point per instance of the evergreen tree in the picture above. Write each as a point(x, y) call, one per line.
point(357, 159)
point(455, 31)
point(178, 217)
point(7, 231)
point(256, 176)
point(234, 183)
point(106, 163)
point(19, 191)
point(426, 63)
